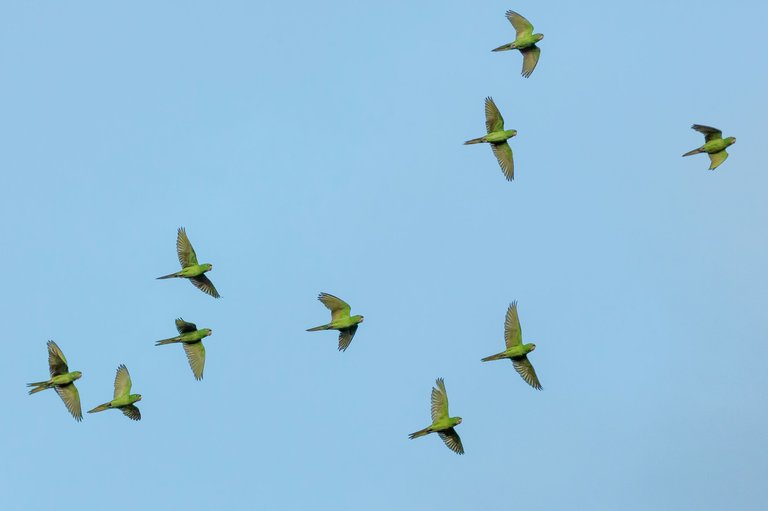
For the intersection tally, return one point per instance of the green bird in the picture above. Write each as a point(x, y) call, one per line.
point(442, 423)
point(61, 380)
point(525, 41)
point(714, 145)
point(497, 136)
point(123, 399)
point(516, 351)
point(192, 340)
point(190, 268)
point(340, 319)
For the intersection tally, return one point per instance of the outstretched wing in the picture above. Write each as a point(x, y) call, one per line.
point(202, 283)
point(122, 382)
point(183, 327)
point(717, 158)
point(493, 119)
point(345, 337)
point(439, 401)
point(503, 154)
point(132, 412)
point(57, 363)
point(71, 397)
point(709, 132)
point(522, 26)
point(184, 250)
point(196, 356)
point(338, 307)
point(452, 440)
point(530, 59)
point(525, 369)
point(513, 334)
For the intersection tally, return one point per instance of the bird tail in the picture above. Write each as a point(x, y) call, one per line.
point(168, 341)
point(497, 356)
point(101, 408)
point(169, 276)
point(695, 151)
point(321, 327)
point(419, 433)
point(475, 141)
point(503, 47)
point(39, 385)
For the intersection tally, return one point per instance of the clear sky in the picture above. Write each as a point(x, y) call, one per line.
point(317, 146)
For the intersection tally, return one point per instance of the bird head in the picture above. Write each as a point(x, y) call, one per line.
point(458, 420)
point(731, 140)
point(359, 318)
point(138, 397)
point(77, 374)
point(539, 37)
point(533, 346)
point(208, 332)
point(209, 267)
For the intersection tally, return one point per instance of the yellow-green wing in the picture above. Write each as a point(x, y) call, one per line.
point(338, 307)
point(184, 250)
point(452, 440)
point(525, 369)
point(345, 337)
point(493, 119)
point(71, 397)
point(522, 26)
point(439, 401)
point(57, 364)
point(709, 132)
point(530, 59)
point(513, 334)
point(717, 158)
point(132, 412)
point(196, 356)
point(202, 283)
point(183, 327)
point(503, 154)
point(122, 382)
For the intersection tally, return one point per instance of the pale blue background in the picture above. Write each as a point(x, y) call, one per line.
point(317, 146)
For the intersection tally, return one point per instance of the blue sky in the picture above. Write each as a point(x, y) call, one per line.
point(312, 147)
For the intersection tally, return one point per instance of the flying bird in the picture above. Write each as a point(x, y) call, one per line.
point(497, 136)
point(123, 400)
point(714, 145)
point(190, 268)
point(61, 380)
point(525, 41)
point(442, 423)
point(340, 319)
point(192, 340)
point(516, 351)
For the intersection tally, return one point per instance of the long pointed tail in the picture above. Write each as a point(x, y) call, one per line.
point(39, 385)
point(497, 356)
point(168, 341)
point(169, 276)
point(321, 327)
point(695, 151)
point(100, 408)
point(475, 141)
point(503, 47)
point(421, 432)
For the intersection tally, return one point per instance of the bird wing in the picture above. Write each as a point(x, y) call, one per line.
point(439, 401)
point(513, 334)
point(184, 250)
point(709, 132)
point(493, 119)
point(122, 382)
point(345, 337)
point(71, 397)
point(525, 369)
point(196, 356)
point(522, 26)
point(530, 59)
point(717, 159)
point(503, 154)
point(57, 363)
point(452, 440)
point(205, 285)
point(338, 307)
point(132, 412)
point(183, 327)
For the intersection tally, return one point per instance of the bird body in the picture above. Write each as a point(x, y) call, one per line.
point(341, 319)
point(516, 351)
point(525, 41)
point(195, 336)
point(123, 399)
point(714, 145)
point(191, 338)
point(442, 423)
point(190, 268)
point(62, 380)
point(189, 272)
point(513, 352)
point(497, 136)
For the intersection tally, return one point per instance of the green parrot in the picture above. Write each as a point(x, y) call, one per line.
point(192, 340)
point(442, 424)
point(340, 319)
point(516, 351)
point(61, 380)
point(190, 269)
point(123, 399)
point(525, 41)
point(714, 145)
point(497, 136)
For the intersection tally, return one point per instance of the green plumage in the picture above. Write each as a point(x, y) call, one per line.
point(497, 136)
point(340, 319)
point(62, 381)
point(442, 423)
point(516, 351)
point(122, 399)
point(190, 268)
point(525, 41)
point(191, 338)
point(714, 145)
